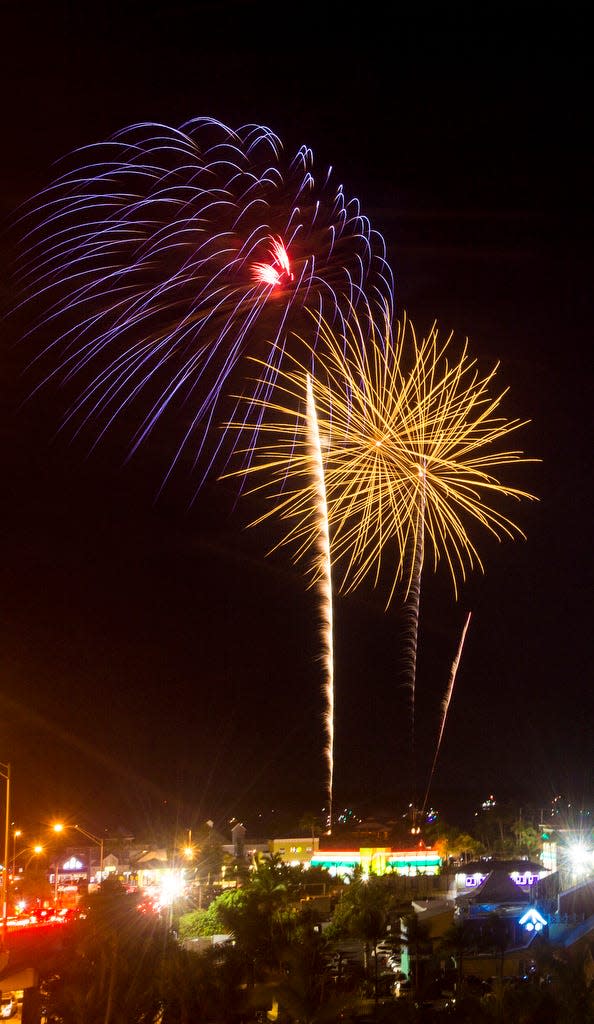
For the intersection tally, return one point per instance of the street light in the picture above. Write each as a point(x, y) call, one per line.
point(5, 774)
point(189, 851)
point(99, 841)
point(33, 850)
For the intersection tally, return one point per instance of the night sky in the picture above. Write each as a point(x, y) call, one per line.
point(155, 663)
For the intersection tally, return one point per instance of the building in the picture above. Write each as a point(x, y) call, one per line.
point(378, 860)
point(295, 851)
point(526, 874)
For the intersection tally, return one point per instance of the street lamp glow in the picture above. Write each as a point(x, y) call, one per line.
point(580, 858)
point(171, 887)
point(33, 851)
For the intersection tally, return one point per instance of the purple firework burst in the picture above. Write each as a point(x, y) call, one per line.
point(160, 258)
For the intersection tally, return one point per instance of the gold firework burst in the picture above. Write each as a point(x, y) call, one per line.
point(411, 439)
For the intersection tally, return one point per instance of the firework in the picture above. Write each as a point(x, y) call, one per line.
point(323, 575)
point(413, 607)
point(158, 258)
point(445, 706)
point(411, 440)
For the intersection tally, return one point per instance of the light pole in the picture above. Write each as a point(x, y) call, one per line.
point(56, 870)
point(33, 851)
point(15, 835)
point(95, 839)
point(5, 774)
point(99, 841)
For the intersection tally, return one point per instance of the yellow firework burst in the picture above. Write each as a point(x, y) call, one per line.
point(411, 438)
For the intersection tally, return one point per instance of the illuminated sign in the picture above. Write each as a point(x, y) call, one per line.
point(72, 865)
point(532, 921)
point(379, 861)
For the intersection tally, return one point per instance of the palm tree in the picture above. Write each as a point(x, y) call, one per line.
point(573, 985)
point(258, 915)
point(459, 940)
point(202, 987)
point(414, 936)
point(312, 823)
point(364, 913)
point(302, 992)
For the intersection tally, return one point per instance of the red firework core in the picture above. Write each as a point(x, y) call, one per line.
point(277, 270)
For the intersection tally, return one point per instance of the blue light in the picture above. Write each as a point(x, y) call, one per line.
point(532, 920)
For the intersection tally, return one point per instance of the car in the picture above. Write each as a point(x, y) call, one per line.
point(8, 1005)
point(39, 915)
point(440, 1005)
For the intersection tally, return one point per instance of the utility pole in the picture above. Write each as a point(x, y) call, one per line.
point(5, 774)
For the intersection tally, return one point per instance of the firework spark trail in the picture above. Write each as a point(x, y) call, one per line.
point(323, 578)
point(160, 257)
point(412, 609)
point(412, 437)
point(406, 427)
point(446, 706)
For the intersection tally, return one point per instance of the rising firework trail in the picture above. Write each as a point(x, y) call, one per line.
point(322, 577)
point(413, 608)
point(157, 259)
point(445, 707)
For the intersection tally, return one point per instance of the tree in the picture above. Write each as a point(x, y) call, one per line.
point(572, 981)
point(311, 822)
point(258, 916)
point(302, 992)
point(203, 923)
point(32, 886)
point(363, 912)
point(202, 987)
point(210, 853)
point(414, 936)
point(107, 971)
point(527, 837)
point(459, 940)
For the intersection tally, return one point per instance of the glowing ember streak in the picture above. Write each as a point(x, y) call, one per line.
point(158, 259)
point(446, 704)
point(323, 578)
point(282, 257)
point(267, 273)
